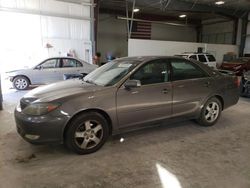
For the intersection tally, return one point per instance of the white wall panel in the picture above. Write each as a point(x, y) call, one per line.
point(48, 6)
point(26, 30)
point(8, 3)
point(152, 47)
point(54, 6)
point(58, 27)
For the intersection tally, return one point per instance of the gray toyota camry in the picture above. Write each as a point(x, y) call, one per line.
point(125, 94)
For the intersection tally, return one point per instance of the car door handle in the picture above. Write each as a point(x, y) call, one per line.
point(165, 91)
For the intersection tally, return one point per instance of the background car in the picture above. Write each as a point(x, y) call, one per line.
point(49, 71)
point(245, 85)
point(238, 66)
point(205, 58)
point(124, 94)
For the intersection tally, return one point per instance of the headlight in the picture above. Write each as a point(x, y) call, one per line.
point(38, 109)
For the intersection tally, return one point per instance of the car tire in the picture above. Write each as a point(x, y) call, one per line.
point(87, 133)
point(210, 112)
point(21, 83)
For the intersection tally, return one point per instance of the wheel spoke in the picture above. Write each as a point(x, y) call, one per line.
point(213, 106)
point(87, 125)
point(79, 134)
point(84, 144)
point(97, 128)
point(95, 139)
point(208, 108)
point(207, 115)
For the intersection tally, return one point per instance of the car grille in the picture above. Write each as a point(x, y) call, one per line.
point(24, 102)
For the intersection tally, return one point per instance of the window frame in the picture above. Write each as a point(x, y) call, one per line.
point(208, 58)
point(191, 63)
point(56, 66)
point(76, 61)
point(150, 61)
point(204, 57)
point(193, 58)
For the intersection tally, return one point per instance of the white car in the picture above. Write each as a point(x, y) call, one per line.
point(205, 58)
point(49, 71)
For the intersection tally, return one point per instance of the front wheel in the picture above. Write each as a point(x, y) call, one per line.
point(210, 112)
point(87, 133)
point(21, 83)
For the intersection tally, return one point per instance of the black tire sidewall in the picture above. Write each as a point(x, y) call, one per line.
point(22, 77)
point(202, 120)
point(70, 132)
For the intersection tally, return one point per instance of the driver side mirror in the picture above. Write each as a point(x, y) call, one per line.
point(39, 67)
point(132, 84)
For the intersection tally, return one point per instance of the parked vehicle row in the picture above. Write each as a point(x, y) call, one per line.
point(82, 113)
point(238, 66)
point(49, 71)
point(245, 85)
point(205, 58)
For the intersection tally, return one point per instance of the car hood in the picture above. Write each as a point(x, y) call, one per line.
point(15, 71)
point(63, 89)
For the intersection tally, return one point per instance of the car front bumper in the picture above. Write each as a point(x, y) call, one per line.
point(40, 129)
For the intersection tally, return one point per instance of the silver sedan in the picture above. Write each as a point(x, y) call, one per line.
point(49, 71)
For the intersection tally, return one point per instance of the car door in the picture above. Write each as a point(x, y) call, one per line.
point(70, 66)
point(211, 60)
point(191, 86)
point(47, 72)
point(151, 101)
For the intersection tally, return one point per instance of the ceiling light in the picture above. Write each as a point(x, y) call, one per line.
point(220, 2)
point(183, 16)
point(136, 10)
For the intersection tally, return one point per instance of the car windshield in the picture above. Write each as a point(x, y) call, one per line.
point(110, 73)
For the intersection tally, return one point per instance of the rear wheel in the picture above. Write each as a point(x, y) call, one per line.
point(21, 83)
point(210, 112)
point(87, 133)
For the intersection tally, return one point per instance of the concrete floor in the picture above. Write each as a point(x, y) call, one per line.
point(182, 155)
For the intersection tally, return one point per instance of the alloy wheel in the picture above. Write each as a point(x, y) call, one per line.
point(21, 83)
point(212, 112)
point(89, 134)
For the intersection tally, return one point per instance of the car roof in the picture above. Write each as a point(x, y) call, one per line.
point(194, 53)
point(140, 59)
point(66, 57)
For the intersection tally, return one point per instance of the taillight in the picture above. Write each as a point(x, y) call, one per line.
point(237, 81)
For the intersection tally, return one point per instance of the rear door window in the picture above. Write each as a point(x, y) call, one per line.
point(183, 70)
point(67, 63)
point(202, 58)
point(193, 57)
point(210, 58)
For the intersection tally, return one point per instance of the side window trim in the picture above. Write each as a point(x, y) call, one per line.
point(45, 61)
point(189, 62)
point(168, 72)
point(79, 63)
point(207, 59)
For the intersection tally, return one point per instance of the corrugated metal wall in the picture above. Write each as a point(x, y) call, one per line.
point(28, 25)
